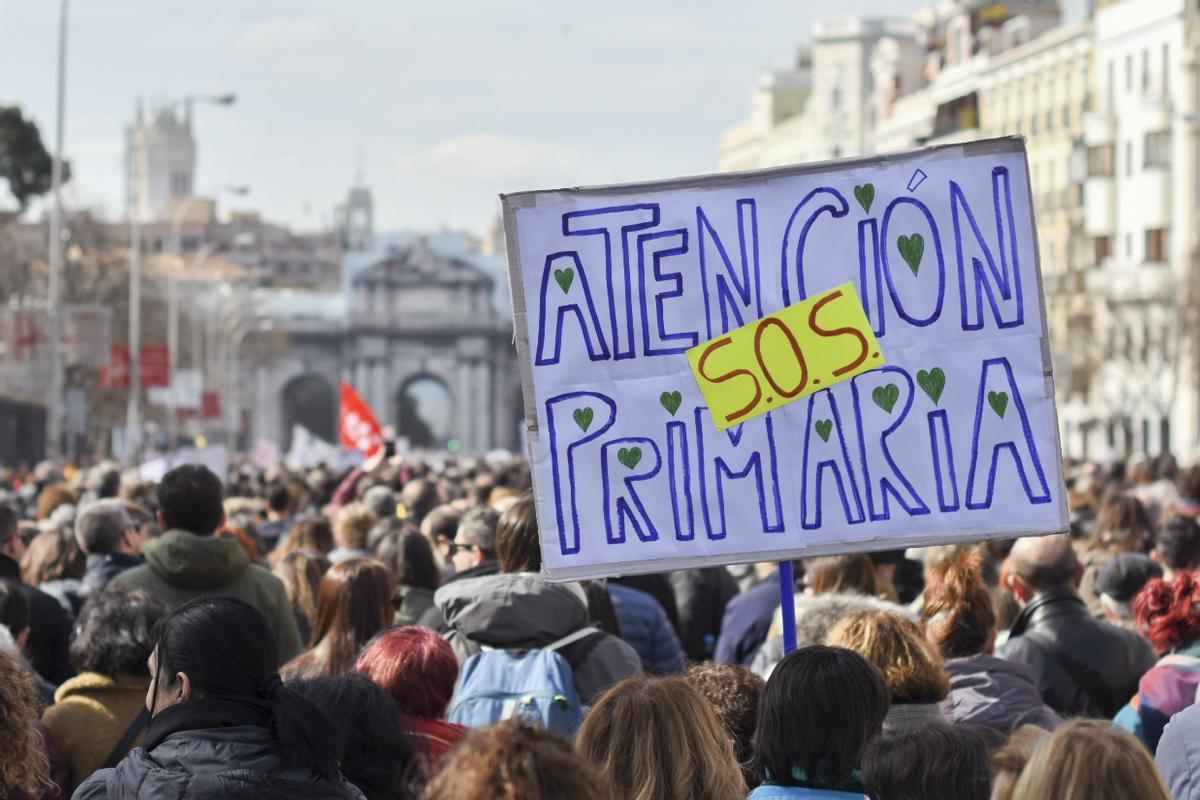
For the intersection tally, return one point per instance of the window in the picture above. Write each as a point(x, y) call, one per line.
point(1103, 247)
point(1156, 245)
point(1112, 84)
point(1166, 69)
point(1129, 159)
point(1157, 149)
point(1129, 73)
point(1146, 70)
point(1100, 160)
point(1129, 245)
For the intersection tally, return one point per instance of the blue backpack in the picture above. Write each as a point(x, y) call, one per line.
point(537, 685)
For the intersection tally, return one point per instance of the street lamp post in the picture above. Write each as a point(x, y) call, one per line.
point(134, 410)
point(54, 404)
point(234, 368)
point(173, 312)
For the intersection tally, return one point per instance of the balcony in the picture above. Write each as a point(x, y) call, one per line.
point(1150, 193)
point(1099, 201)
point(1126, 282)
point(1099, 127)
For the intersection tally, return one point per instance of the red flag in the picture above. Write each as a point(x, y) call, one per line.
point(359, 428)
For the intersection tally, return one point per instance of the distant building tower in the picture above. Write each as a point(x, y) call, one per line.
point(160, 161)
point(356, 219)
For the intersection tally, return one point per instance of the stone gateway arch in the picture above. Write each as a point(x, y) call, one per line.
point(420, 339)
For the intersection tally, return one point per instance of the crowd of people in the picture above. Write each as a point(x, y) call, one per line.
point(388, 634)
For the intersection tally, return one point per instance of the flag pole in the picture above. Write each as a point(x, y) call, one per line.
point(787, 604)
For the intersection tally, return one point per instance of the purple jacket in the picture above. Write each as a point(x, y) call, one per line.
point(999, 694)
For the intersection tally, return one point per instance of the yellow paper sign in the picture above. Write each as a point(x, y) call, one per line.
point(768, 363)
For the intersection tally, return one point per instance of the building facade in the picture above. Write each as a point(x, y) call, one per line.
point(1106, 97)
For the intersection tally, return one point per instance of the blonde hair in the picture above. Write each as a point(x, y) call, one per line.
point(912, 668)
point(658, 739)
point(1009, 761)
point(1090, 760)
point(25, 765)
point(352, 528)
point(301, 572)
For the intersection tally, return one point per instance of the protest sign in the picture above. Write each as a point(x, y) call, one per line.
point(877, 372)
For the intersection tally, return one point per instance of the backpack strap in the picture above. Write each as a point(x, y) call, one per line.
point(576, 647)
point(128, 738)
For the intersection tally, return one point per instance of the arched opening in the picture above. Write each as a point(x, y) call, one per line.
point(425, 411)
point(310, 401)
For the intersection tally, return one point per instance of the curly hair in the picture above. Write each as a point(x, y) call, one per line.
point(515, 761)
point(1168, 614)
point(25, 765)
point(733, 691)
point(896, 645)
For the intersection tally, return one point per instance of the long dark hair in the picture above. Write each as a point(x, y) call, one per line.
point(377, 756)
point(355, 603)
point(228, 650)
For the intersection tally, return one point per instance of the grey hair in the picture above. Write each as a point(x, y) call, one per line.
point(478, 527)
point(99, 526)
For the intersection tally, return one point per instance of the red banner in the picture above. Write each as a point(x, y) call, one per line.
point(156, 367)
point(360, 430)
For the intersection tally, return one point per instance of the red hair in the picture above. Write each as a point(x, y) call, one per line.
point(1168, 614)
point(415, 666)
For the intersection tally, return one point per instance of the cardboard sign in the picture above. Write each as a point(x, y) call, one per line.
point(785, 356)
point(648, 456)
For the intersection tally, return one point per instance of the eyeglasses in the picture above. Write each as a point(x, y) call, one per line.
point(454, 547)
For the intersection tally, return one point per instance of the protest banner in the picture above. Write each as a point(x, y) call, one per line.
point(828, 358)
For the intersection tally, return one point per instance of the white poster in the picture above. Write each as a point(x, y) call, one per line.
point(87, 334)
point(847, 356)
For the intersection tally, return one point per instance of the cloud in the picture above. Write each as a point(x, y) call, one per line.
point(488, 157)
point(282, 34)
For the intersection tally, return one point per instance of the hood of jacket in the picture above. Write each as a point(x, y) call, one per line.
point(189, 561)
point(991, 691)
point(512, 610)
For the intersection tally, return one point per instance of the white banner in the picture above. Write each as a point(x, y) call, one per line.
point(847, 356)
point(87, 334)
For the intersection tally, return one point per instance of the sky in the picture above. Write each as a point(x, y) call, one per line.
point(450, 103)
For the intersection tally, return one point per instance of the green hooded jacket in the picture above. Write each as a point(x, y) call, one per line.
point(181, 566)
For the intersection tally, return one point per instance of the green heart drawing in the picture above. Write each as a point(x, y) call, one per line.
point(564, 277)
point(999, 402)
point(912, 248)
point(886, 396)
point(865, 195)
point(824, 428)
point(629, 456)
point(670, 401)
point(583, 418)
point(933, 382)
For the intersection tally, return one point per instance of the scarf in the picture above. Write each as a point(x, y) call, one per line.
point(206, 713)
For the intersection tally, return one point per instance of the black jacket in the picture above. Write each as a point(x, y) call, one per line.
point(103, 567)
point(747, 619)
point(1081, 665)
point(701, 596)
point(49, 628)
point(210, 750)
